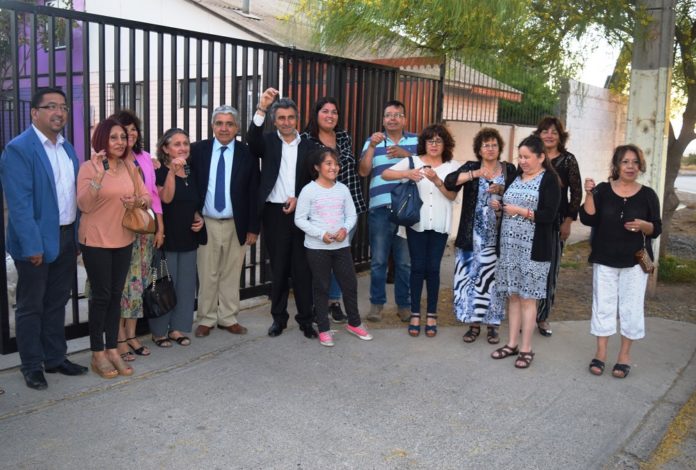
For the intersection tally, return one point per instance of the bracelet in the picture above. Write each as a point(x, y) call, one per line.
point(95, 185)
point(259, 108)
point(471, 176)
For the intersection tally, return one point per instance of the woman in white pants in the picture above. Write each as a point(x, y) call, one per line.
point(625, 216)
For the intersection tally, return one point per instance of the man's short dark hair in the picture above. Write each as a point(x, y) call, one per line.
point(37, 98)
point(394, 103)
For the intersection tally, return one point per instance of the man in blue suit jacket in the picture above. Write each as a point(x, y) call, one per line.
point(38, 170)
point(227, 179)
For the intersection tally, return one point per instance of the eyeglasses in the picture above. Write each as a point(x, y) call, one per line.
point(489, 146)
point(434, 142)
point(54, 107)
point(393, 115)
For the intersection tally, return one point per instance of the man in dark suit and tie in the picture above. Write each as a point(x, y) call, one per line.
point(38, 171)
point(227, 178)
point(284, 172)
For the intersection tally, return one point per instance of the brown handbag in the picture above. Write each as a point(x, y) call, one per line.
point(138, 219)
point(643, 258)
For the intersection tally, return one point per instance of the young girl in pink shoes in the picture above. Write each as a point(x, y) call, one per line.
point(326, 213)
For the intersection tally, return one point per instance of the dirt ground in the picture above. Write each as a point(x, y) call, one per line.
point(574, 293)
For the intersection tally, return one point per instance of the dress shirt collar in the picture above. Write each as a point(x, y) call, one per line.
point(294, 143)
point(59, 140)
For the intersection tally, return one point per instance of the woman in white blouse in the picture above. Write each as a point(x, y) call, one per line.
point(427, 239)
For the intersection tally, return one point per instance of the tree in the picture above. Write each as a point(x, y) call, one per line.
point(516, 33)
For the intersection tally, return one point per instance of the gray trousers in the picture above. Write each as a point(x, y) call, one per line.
point(182, 267)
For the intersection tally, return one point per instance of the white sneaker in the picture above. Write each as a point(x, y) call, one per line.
point(360, 331)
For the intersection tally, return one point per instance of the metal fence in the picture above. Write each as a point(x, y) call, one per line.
point(174, 78)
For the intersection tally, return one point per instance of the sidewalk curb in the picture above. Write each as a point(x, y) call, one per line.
point(648, 436)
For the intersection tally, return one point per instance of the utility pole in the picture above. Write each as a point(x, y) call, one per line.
point(648, 104)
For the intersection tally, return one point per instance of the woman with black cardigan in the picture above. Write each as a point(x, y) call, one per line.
point(475, 300)
point(530, 208)
point(625, 217)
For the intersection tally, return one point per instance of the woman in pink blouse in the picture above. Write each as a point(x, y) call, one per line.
point(143, 246)
point(106, 186)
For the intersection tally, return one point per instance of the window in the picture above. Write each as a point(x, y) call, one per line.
point(125, 98)
point(192, 95)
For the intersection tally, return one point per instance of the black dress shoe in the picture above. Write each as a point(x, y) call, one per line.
point(36, 380)
point(309, 331)
point(67, 368)
point(276, 329)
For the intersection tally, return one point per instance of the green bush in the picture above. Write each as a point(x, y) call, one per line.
point(674, 269)
point(689, 159)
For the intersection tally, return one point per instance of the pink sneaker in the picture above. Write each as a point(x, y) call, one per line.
point(360, 331)
point(326, 339)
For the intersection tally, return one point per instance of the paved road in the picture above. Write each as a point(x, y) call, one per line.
point(255, 402)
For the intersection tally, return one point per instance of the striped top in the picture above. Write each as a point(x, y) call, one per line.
point(380, 190)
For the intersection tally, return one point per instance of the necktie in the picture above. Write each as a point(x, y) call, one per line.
point(220, 182)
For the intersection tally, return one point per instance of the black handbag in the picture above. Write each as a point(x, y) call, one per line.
point(159, 297)
point(405, 202)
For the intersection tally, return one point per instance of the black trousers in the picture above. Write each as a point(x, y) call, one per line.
point(287, 254)
point(42, 292)
point(322, 262)
point(106, 269)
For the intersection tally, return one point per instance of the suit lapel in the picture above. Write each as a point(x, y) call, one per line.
point(42, 156)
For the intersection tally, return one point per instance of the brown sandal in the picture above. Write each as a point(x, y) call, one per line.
point(122, 368)
point(493, 336)
point(505, 351)
point(473, 333)
point(104, 369)
point(524, 360)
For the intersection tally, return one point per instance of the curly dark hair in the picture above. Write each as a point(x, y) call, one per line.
point(436, 130)
point(621, 152)
point(313, 124)
point(128, 117)
point(552, 121)
point(100, 136)
point(487, 133)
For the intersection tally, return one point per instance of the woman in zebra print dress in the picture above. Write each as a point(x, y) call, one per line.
point(483, 180)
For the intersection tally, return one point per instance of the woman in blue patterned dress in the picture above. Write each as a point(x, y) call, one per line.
point(485, 179)
point(530, 206)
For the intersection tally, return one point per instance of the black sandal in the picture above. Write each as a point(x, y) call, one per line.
point(181, 340)
point(162, 342)
point(473, 333)
point(596, 364)
point(524, 360)
point(624, 369)
point(505, 351)
point(141, 351)
point(414, 330)
point(430, 330)
point(493, 336)
point(126, 356)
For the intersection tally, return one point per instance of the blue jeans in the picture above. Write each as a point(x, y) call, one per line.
point(383, 240)
point(334, 289)
point(426, 249)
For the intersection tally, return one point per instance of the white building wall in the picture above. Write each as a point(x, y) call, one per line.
point(596, 120)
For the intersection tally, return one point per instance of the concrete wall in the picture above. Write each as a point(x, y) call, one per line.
point(596, 120)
